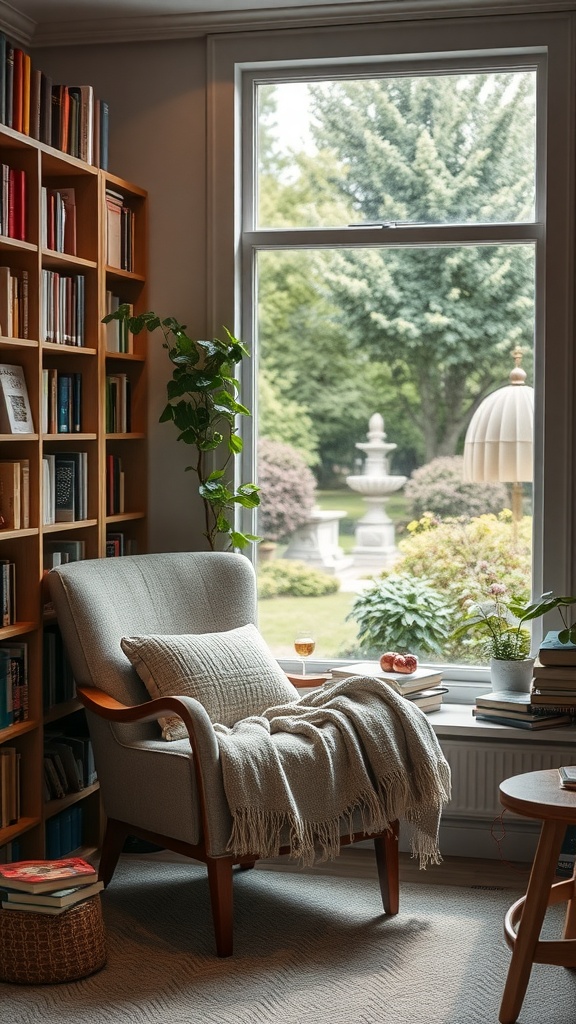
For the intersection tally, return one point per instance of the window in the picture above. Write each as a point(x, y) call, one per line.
point(394, 229)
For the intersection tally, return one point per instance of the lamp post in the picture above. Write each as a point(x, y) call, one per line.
point(499, 440)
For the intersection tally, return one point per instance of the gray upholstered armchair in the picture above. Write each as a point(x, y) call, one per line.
point(170, 793)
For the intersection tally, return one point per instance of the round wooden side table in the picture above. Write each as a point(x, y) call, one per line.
point(538, 795)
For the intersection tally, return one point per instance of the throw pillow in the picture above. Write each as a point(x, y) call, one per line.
point(233, 673)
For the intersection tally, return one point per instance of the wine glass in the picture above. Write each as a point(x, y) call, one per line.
point(304, 646)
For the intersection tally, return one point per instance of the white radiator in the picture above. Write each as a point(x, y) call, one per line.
point(478, 768)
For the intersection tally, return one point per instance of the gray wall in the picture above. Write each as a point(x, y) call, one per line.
point(157, 140)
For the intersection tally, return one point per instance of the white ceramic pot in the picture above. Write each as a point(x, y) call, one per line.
point(511, 675)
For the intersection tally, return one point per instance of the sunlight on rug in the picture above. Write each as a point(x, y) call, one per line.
point(309, 949)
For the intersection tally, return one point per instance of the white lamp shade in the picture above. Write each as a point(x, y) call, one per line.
point(499, 439)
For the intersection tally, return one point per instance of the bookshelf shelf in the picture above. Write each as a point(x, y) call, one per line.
point(53, 807)
point(66, 294)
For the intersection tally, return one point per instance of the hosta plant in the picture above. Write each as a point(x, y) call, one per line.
point(203, 406)
point(402, 613)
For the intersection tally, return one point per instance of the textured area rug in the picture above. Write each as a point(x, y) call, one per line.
point(309, 949)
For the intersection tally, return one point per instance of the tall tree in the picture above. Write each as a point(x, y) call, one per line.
point(434, 326)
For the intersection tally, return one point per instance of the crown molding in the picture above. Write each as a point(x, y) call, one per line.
point(18, 27)
point(182, 26)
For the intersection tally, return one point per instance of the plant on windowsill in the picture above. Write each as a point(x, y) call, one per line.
point(203, 405)
point(506, 641)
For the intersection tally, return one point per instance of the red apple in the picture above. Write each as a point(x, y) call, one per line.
point(387, 661)
point(411, 662)
point(399, 664)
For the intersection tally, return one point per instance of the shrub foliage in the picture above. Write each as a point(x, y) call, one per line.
point(288, 577)
point(438, 488)
point(287, 489)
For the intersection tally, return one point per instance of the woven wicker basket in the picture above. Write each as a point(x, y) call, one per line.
point(40, 949)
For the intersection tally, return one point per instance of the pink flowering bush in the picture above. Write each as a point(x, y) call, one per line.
point(287, 489)
point(438, 488)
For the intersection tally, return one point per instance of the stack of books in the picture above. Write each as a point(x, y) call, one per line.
point(48, 886)
point(511, 707)
point(422, 687)
point(554, 677)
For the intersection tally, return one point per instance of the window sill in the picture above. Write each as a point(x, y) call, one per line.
point(457, 720)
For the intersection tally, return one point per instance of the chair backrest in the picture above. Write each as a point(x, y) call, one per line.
point(98, 601)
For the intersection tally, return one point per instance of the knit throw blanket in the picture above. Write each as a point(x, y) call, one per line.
point(355, 748)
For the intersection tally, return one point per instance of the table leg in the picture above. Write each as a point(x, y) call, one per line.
point(537, 896)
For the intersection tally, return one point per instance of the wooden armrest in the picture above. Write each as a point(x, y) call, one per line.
point(192, 713)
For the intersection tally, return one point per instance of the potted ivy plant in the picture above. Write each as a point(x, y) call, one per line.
point(203, 405)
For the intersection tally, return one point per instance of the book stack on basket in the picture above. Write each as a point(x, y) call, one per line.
point(422, 686)
point(47, 886)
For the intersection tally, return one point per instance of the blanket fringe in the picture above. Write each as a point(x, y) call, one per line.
point(310, 842)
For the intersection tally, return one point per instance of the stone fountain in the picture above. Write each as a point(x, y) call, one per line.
point(375, 536)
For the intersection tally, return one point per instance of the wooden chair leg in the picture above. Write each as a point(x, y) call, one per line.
point(114, 837)
point(386, 849)
point(221, 897)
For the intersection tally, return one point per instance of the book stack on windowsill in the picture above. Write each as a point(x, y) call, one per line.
point(554, 676)
point(48, 886)
point(511, 707)
point(422, 687)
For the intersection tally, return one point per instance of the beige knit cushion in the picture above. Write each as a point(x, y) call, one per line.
point(233, 674)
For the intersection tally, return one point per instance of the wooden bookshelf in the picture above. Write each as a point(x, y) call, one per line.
point(50, 277)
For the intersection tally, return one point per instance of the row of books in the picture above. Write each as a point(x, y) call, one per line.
point(49, 886)
point(117, 544)
point(10, 851)
point(14, 495)
point(13, 202)
point(14, 304)
point(422, 687)
point(64, 833)
point(62, 319)
point(68, 765)
point(119, 232)
point(58, 219)
point(68, 117)
point(13, 683)
point(118, 337)
point(114, 485)
point(58, 684)
point(118, 404)
point(61, 402)
point(64, 487)
point(10, 809)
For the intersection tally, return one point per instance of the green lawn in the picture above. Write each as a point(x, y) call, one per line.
point(280, 619)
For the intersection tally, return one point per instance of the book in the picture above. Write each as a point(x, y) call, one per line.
point(46, 875)
point(545, 722)
point(552, 652)
point(50, 903)
point(421, 679)
point(428, 700)
point(509, 700)
point(15, 411)
point(535, 715)
point(564, 674)
point(567, 777)
point(65, 495)
point(553, 698)
point(10, 496)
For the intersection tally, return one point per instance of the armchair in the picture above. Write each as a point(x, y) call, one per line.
point(169, 793)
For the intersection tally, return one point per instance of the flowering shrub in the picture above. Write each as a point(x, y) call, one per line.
point(287, 489)
point(438, 487)
point(286, 576)
point(460, 558)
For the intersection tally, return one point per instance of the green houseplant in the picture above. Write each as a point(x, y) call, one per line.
point(203, 405)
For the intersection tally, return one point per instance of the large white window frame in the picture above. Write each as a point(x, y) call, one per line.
point(236, 63)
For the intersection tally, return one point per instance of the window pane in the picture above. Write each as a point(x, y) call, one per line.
point(443, 148)
point(372, 362)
